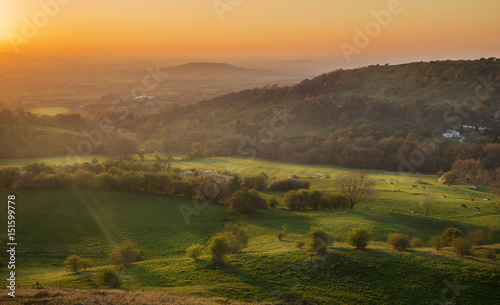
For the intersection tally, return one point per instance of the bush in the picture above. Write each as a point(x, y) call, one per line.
point(218, 248)
point(300, 244)
point(280, 235)
point(237, 237)
point(318, 240)
point(334, 202)
point(398, 241)
point(109, 278)
point(461, 246)
point(416, 242)
point(303, 199)
point(194, 251)
point(476, 237)
point(490, 254)
point(289, 184)
point(437, 242)
point(449, 235)
point(245, 202)
point(258, 182)
point(125, 253)
point(358, 238)
point(272, 202)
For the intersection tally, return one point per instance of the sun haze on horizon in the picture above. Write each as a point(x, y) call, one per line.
point(249, 28)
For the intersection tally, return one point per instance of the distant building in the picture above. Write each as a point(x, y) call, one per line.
point(453, 134)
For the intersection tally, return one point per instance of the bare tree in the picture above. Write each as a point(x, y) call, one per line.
point(355, 187)
point(427, 201)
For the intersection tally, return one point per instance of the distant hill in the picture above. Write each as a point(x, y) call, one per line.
point(438, 94)
point(206, 70)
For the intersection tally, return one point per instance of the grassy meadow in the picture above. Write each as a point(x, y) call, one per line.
point(52, 224)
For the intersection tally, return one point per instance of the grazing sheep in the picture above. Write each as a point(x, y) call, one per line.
point(413, 186)
point(486, 199)
point(464, 206)
point(392, 183)
point(472, 199)
point(444, 196)
point(476, 208)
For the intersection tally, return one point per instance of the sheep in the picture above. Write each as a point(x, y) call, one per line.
point(477, 208)
point(464, 206)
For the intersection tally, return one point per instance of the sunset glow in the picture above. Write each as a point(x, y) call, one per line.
point(250, 28)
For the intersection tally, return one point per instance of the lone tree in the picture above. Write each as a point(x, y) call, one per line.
point(427, 202)
point(218, 248)
point(237, 237)
point(125, 253)
point(355, 186)
point(75, 263)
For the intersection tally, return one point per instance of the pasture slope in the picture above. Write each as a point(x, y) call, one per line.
point(52, 224)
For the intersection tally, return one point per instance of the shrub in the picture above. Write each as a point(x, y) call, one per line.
point(125, 253)
point(416, 242)
point(237, 237)
point(258, 182)
point(284, 230)
point(450, 234)
point(461, 246)
point(272, 202)
point(245, 202)
point(289, 184)
point(218, 248)
point(490, 254)
point(334, 202)
point(358, 238)
point(109, 278)
point(281, 235)
point(318, 240)
point(303, 199)
point(476, 237)
point(398, 241)
point(437, 242)
point(194, 251)
point(300, 244)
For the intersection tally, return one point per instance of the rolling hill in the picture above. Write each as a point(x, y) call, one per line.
point(207, 70)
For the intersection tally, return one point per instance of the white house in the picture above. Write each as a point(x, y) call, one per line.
point(450, 134)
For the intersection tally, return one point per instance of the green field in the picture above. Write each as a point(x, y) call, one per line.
point(49, 110)
point(53, 161)
point(54, 224)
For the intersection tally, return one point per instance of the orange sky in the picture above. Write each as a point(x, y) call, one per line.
point(252, 28)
